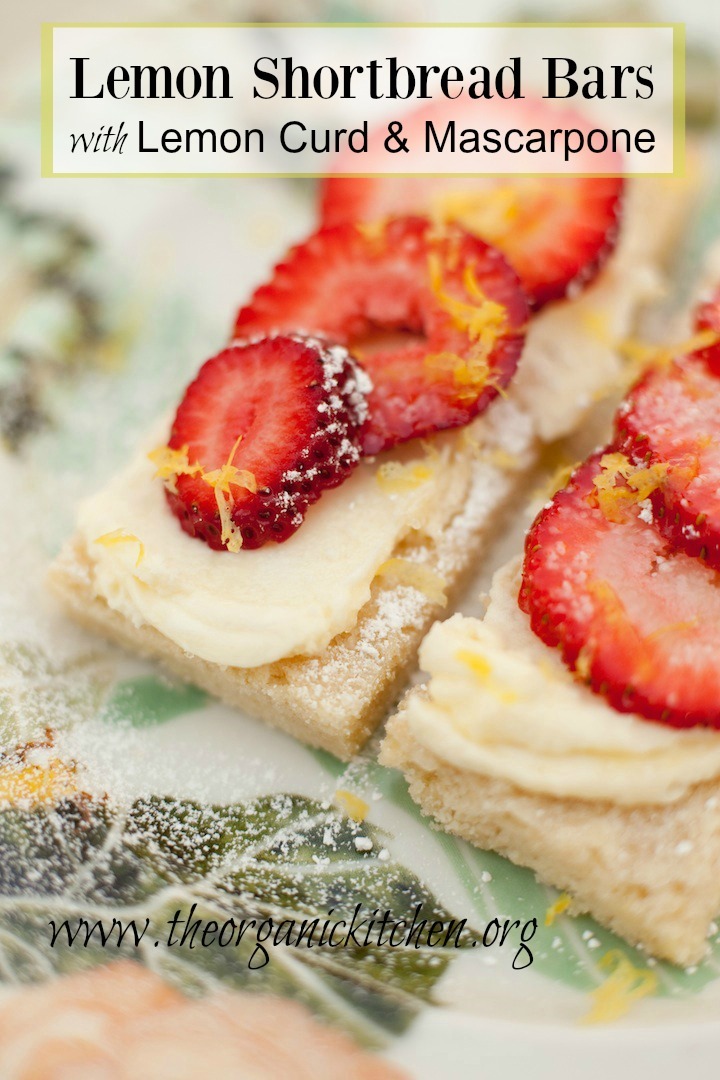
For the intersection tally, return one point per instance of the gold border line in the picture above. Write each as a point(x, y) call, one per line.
point(365, 25)
point(344, 176)
point(46, 95)
point(46, 99)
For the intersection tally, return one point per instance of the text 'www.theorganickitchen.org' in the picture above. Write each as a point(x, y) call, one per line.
point(258, 937)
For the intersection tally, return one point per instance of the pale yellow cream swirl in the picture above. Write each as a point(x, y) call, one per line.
point(502, 704)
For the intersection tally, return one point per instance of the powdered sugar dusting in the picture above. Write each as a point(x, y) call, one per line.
point(337, 688)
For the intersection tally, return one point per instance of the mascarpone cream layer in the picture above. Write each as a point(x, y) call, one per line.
point(254, 607)
point(502, 703)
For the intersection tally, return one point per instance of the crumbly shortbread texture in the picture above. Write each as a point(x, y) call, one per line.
point(650, 873)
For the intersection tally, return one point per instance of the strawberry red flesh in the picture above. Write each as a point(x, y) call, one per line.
point(635, 618)
point(672, 416)
point(407, 300)
point(297, 408)
point(556, 232)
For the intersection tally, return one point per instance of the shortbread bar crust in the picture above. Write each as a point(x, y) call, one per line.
point(335, 700)
point(651, 873)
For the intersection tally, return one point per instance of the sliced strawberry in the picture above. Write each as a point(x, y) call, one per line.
point(435, 316)
point(263, 430)
point(636, 619)
point(556, 231)
point(672, 419)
